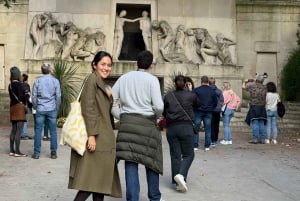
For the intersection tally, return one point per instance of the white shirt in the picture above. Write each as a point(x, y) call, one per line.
point(271, 101)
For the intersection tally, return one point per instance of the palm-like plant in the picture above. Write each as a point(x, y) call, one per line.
point(65, 72)
point(170, 82)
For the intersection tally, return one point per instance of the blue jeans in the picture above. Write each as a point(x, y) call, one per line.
point(206, 118)
point(25, 130)
point(226, 123)
point(181, 139)
point(258, 130)
point(133, 184)
point(40, 117)
point(272, 124)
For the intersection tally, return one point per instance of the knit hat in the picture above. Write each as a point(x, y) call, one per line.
point(15, 73)
point(259, 78)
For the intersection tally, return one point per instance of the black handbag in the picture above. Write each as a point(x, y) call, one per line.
point(280, 109)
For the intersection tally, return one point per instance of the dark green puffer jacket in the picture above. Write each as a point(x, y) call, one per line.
point(139, 140)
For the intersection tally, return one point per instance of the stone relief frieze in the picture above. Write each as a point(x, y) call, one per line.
point(191, 45)
point(53, 39)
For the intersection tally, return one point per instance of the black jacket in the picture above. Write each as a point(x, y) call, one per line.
point(174, 113)
point(16, 89)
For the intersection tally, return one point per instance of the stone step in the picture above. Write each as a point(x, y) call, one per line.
point(288, 119)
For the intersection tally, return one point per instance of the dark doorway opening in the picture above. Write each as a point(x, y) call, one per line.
point(133, 42)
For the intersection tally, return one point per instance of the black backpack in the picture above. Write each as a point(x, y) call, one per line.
point(280, 109)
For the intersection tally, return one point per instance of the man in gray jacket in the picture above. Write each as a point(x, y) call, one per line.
point(138, 103)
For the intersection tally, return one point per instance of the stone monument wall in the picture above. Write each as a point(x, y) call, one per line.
point(258, 35)
point(266, 33)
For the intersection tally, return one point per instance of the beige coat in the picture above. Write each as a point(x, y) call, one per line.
point(97, 171)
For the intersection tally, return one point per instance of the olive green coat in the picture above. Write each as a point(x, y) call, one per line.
point(97, 171)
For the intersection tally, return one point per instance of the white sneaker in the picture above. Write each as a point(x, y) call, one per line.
point(181, 183)
point(196, 149)
point(229, 142)
point(224, 142)
point(274, 141)
point(161, 199)
point(206, 149)
point(267, 141)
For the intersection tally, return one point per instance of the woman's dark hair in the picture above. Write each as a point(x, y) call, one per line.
point(25, 77)
point(188, 79)
point(179, 82)
point(144, 59)
point(271, 87)
point(99, 56)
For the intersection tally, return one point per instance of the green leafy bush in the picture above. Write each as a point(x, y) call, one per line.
point(290, 77)
point(65, 72)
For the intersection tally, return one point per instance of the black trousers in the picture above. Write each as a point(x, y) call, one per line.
point(15, 136)
point(181, 140)
point(215, 123)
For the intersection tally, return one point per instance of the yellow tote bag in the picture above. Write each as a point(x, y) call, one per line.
point(74, 131)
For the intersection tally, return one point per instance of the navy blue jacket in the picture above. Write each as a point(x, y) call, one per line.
point(207, 97)
point(219, 97)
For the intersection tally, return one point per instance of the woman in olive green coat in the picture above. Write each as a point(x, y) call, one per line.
point(96, 171)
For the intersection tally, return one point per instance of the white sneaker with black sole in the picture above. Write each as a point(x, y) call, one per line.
point(181, 183)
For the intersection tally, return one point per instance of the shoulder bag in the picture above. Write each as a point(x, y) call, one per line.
point(74, 131)
point(193, 124)
point(280, 109)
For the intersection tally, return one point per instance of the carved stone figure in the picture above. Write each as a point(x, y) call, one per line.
point(166, 37)
point(190, 45)
point(94, 43)
point(119, 33)
point(36, 32)
point(207, 46)
point(179, 39)
point(77, 52)
point(145, 27)
point(70, 33)
point(87, 45)
point(53, 39)
point(223, 45)
point(52, 46)
point(50, 33)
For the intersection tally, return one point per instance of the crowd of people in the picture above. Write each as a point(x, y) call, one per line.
point(136, 100)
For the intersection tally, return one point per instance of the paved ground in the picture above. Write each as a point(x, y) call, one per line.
point(238, 172)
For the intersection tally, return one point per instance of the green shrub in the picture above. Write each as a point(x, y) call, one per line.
point(65, 72)
point(290, 77)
